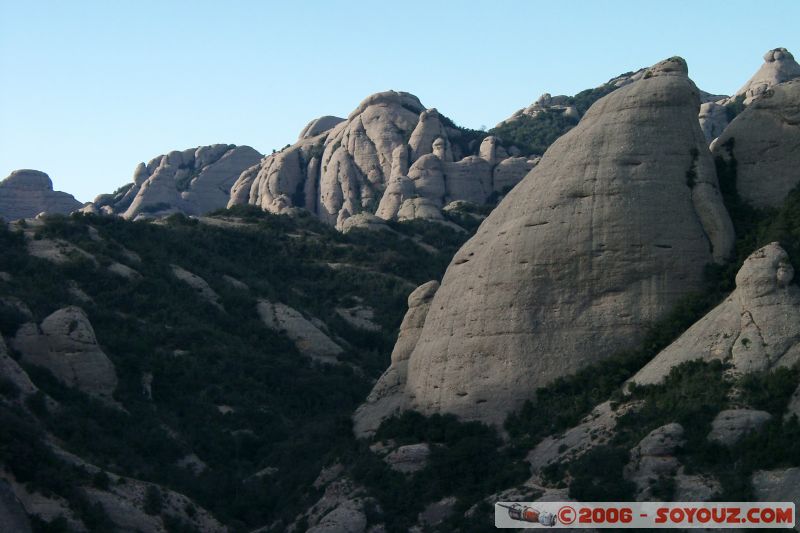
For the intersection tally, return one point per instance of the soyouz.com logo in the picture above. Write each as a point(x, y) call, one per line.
point(654, 515)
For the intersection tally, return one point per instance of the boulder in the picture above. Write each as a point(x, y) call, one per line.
point(201, 286)
point(65, 344)
point(27, 193)
point(763, 140)
point(409, 458)
point(731, 425)
point(756, 328)
point(713, 119)
point(604, 236)
point(388, 154)
point(654, 458)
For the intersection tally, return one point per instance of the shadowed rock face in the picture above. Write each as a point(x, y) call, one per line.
point(765, 142)
point(614, 225)
point(779, 66)
point(26, 193)
point(66, 345)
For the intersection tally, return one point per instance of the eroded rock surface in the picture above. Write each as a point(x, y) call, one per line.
point(65, 344)
point(27, 193)
point(756, 328)
point(391, 157)
point(764, 141)
point(731, 425)
point(610, 229)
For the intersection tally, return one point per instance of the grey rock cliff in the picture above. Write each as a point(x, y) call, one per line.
point(779, 66)
point(26, 193)
point(765, 142)
point(756, 328)
point(386, 397)
point(613, 226)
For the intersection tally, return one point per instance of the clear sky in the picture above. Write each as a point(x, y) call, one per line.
point(90, 88)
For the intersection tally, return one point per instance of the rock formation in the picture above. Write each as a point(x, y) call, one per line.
point(730, 425)
point(386, 397)
point(65, 344)
point(756, 328)
point(193, 181)
point(613, 226)
point(307, 336)
point(391, 157)
point(779, 66)
point(764, 140)
point(26, 193)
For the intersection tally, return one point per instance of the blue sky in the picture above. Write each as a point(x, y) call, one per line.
point(89, 89)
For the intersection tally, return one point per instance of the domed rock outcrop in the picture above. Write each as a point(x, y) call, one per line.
point(193, 181)
point(764, 140)
point(606, 234)
point(66, 345)
point(26, 193)
point(779, 66)
point(391, 152)
point(756, 328)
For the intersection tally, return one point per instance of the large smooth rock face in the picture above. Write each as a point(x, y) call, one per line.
point(391, 157)
point(65, 344)
point(756, 328)
point(765, 142)
point(26, 193)
point(779, 66)
point(654, 457)
point(606, 234)
point(193, 181)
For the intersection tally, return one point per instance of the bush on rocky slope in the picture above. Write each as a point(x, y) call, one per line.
point(224, 387)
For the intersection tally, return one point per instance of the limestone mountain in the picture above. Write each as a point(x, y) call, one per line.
point(26, 193)
point(606, 234)
point(194, 181)
point(391, 157)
